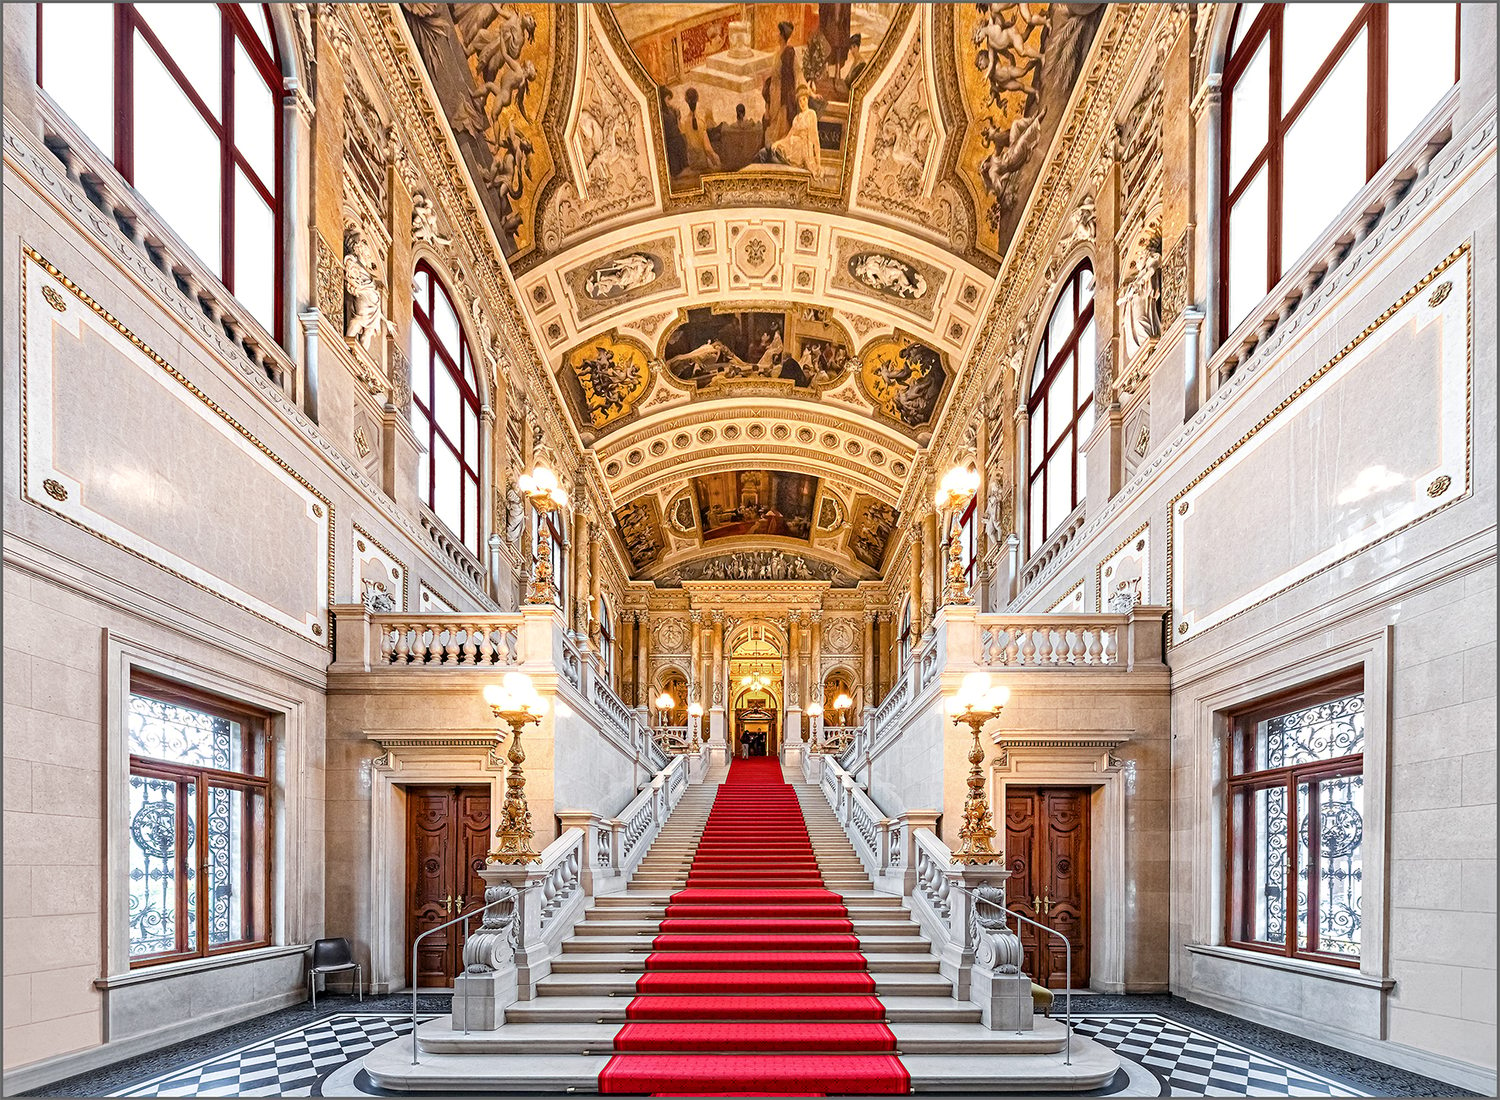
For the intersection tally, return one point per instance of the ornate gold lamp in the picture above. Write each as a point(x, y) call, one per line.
point(695, 715)
point(974, 705)
point(953, 495)
point(664, 703)
point(546, 495)
point(814, 713)
point(842, 704)
point(515, 702)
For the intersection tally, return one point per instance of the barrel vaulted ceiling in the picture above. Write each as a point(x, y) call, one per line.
point(756, 331)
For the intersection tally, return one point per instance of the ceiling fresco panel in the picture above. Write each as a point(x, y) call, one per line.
point(755, 502)
point(870, 531)
point(1016, 65)
point(494, 67)
point(639, 522)
point(747, 89)
point(905, 378)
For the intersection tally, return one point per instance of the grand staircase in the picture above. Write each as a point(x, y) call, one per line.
point(750, 954)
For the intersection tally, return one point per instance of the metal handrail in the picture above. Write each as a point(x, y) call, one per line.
point(1068, 963)
point(438, 928)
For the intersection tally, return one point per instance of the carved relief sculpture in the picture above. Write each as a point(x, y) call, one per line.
point(363, 309)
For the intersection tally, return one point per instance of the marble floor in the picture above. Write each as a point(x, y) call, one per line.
point(1190, 1051)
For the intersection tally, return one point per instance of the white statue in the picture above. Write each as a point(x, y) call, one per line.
point(1084, 225)
point(514, 516)
point(424, 221)
point(1140, 303)
point(362, 310)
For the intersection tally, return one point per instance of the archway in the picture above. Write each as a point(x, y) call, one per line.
point(755, 692)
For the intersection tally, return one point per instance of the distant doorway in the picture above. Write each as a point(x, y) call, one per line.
point(1047, 851)
point(447, 839)
point(754, 732)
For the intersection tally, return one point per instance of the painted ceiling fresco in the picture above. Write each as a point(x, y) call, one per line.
point(1016, 65)
point(745, 88)
point(751, 236)
point(740, 508)
point(493, 66)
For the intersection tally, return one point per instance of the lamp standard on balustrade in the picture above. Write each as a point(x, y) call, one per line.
point(515, 702)
point(664, 705)
point(976, 703)
point(695, 720)
point(841, 704)
point(953, 495)
point(815, 720)
point(546, 494)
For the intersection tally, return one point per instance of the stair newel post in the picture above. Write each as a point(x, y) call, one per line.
point(588, 824)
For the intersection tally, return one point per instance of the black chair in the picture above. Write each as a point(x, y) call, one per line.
point(329, 957)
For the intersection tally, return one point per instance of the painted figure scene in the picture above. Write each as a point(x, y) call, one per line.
point(742, 86)
point(802, 346)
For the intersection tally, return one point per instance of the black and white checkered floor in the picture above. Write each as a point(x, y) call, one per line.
point(1188, 1055)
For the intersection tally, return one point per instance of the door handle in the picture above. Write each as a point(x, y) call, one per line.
point(1047, 904)
point(460, 903)
point(1036, 903)
point(448, 904)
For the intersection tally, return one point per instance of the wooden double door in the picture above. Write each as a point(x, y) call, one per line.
point(448, 837)
point(1047, 850)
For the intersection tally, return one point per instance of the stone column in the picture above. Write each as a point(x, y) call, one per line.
point(815, 657)
point(718, 726)
point(695, 664)
point(867, 693)
point(577, 596)
point(1102, 449)
point(916, 581)
point(642, 664)
point(1021, 470)
point(792, 678)
point(933, 573)
point(596, 588)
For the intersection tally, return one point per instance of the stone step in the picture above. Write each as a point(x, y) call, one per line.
point(621, 983)
point(584, 962)
point(897, 945)
point(390, 1066)
point(583, 1038)
point(590, 927)
point(941, 1009)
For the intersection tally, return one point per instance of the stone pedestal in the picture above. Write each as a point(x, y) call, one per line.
point(1004, 1000)
point(480, 1000)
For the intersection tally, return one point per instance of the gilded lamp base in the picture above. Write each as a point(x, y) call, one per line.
point(977, 831)
point(515, 835)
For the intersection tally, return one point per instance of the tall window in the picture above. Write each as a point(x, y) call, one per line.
point(200, 825)
point(1061, 408)
point(445, 409)
point(1316, 96)
point(185, 99)
point(968, 534)
point(1296, 824)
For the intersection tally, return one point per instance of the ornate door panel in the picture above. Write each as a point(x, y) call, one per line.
point(1022, 890)
point(447, 840)
point(1047, 850)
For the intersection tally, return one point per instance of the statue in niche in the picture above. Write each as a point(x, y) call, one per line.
point(515, 517)
point(362, 305)
point(1140, 298)
point(424, 222)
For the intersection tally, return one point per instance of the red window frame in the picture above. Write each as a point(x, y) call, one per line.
point(234, 26)
point(1267, 24)
point(1052, 363)
point(1243, 783)
point(462, 368)
point(252, 779)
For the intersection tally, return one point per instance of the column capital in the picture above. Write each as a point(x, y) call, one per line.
point(695, 615)
point(642, 615)
point(717, 615)
point(794, 616)
point(871, 615)
point(816, 614)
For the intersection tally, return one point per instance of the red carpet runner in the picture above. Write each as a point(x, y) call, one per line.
point(755, 985)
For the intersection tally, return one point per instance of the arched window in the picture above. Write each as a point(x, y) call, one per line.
point(1061, 408)
point(1316, 96)
point(185, 99)
point(445, 408)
